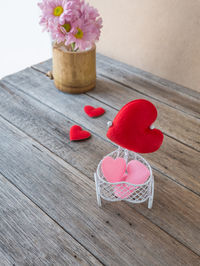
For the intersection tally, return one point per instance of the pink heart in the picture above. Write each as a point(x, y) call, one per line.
point(138, 173)
point(113, 169)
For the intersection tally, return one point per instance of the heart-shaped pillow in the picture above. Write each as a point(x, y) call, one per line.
point(113, 169)
point(93, 112)
point(131, 127)
point(137, 173)
point(77, 133)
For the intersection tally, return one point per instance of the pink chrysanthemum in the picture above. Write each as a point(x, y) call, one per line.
point(52, 10)
point(82, 34)
point(59, 32)
point(91, 16)
point(71, 11)
point(98, 26)
point(88, 12)
point(71, 21)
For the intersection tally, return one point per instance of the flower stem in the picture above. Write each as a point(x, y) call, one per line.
point(73, 46)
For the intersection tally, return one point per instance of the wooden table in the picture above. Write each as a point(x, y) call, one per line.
point(48, 209)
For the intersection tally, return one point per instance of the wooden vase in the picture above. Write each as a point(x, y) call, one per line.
point(74, 72)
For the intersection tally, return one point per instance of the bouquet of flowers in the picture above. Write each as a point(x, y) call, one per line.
point(73, 22)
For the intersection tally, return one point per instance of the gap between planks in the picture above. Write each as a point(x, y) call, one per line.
point(50, 151)
point(85, 125)
point(77, 254)
point(55, 110)
point(162, 90)
point(107, 103)
point(114, 108)
point(147, 95)
point(136, 90)
point(150, 78)
point(79, 175)
point(95, 134)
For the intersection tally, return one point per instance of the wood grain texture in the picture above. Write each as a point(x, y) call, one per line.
point(175, 208)
point(169, 120)
point(69, 197)
point(50, 128)
point(162, 91)
point(148, 78)
point(29, 237)
point(174, 159)
point(145, 83)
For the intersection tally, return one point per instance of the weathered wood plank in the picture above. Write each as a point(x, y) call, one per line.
point(174, 159)
point(50, 128)
point(29, 237)
point(146, 77)
point(172, 122)
point(164, 91)
point(116, 95)
point(69, 197)
point(175, 208)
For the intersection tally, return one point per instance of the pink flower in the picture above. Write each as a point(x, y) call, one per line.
point(71, 11)
point(58, 33)
point(52, 10)
point(88, 12)
point(71, 21)
point(82, 34)
point(98, 26)
point(86, 30)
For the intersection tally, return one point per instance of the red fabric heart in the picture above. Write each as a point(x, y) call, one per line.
point(93, 112)
point(131, 127)
point(76, 133)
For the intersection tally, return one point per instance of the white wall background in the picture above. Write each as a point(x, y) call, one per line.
point(22, 42)
point(159, 36)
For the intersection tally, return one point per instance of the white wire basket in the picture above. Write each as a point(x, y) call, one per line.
point(135, 193)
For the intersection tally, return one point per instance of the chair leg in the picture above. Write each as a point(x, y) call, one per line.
point(97, 191)
point(150, 201)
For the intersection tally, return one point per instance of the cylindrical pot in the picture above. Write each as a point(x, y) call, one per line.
point(74, 72)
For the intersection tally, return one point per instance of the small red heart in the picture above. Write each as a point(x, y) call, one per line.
point(131, 127)
point(93, 112)
point(76, 133)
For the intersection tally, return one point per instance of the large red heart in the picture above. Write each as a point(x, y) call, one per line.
point(131, 127)
point(76, 133)
point(93, 112)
